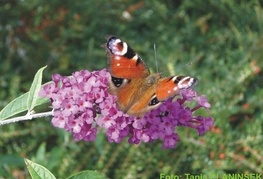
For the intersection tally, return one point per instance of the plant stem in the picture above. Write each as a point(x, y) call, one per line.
point(26, 117)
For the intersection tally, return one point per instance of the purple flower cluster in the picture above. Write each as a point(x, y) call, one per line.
point(82, 104)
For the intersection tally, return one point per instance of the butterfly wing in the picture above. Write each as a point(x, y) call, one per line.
point(170, 86)
point(128, 72)
point(123, 62)
point(133, 98)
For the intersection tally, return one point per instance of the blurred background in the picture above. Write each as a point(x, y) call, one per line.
point(223, 40)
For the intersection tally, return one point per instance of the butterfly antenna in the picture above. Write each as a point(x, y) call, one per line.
point(156, 60)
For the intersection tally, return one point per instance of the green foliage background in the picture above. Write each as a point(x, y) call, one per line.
point(223, 40)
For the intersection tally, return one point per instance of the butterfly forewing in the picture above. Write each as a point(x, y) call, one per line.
point(170, 86)
point(123, 62)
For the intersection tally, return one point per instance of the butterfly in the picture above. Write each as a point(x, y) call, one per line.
point(138, 91)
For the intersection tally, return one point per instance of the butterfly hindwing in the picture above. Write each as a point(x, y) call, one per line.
point(133, 97)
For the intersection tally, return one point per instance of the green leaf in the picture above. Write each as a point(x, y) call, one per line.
point(27, 101)
point(19, 105)
point(87, 174)
point(34, 89)
point(37, 171)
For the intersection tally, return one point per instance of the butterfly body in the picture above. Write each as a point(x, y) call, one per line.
point(138, 91)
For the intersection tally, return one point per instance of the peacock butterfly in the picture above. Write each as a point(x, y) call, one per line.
point(137, 90)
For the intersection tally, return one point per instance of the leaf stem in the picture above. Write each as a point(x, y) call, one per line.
point(26, 117)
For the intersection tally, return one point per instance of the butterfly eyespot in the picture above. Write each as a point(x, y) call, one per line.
point(117, 81)
point(185, 82)
point(116, 46)
point(154, 101)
